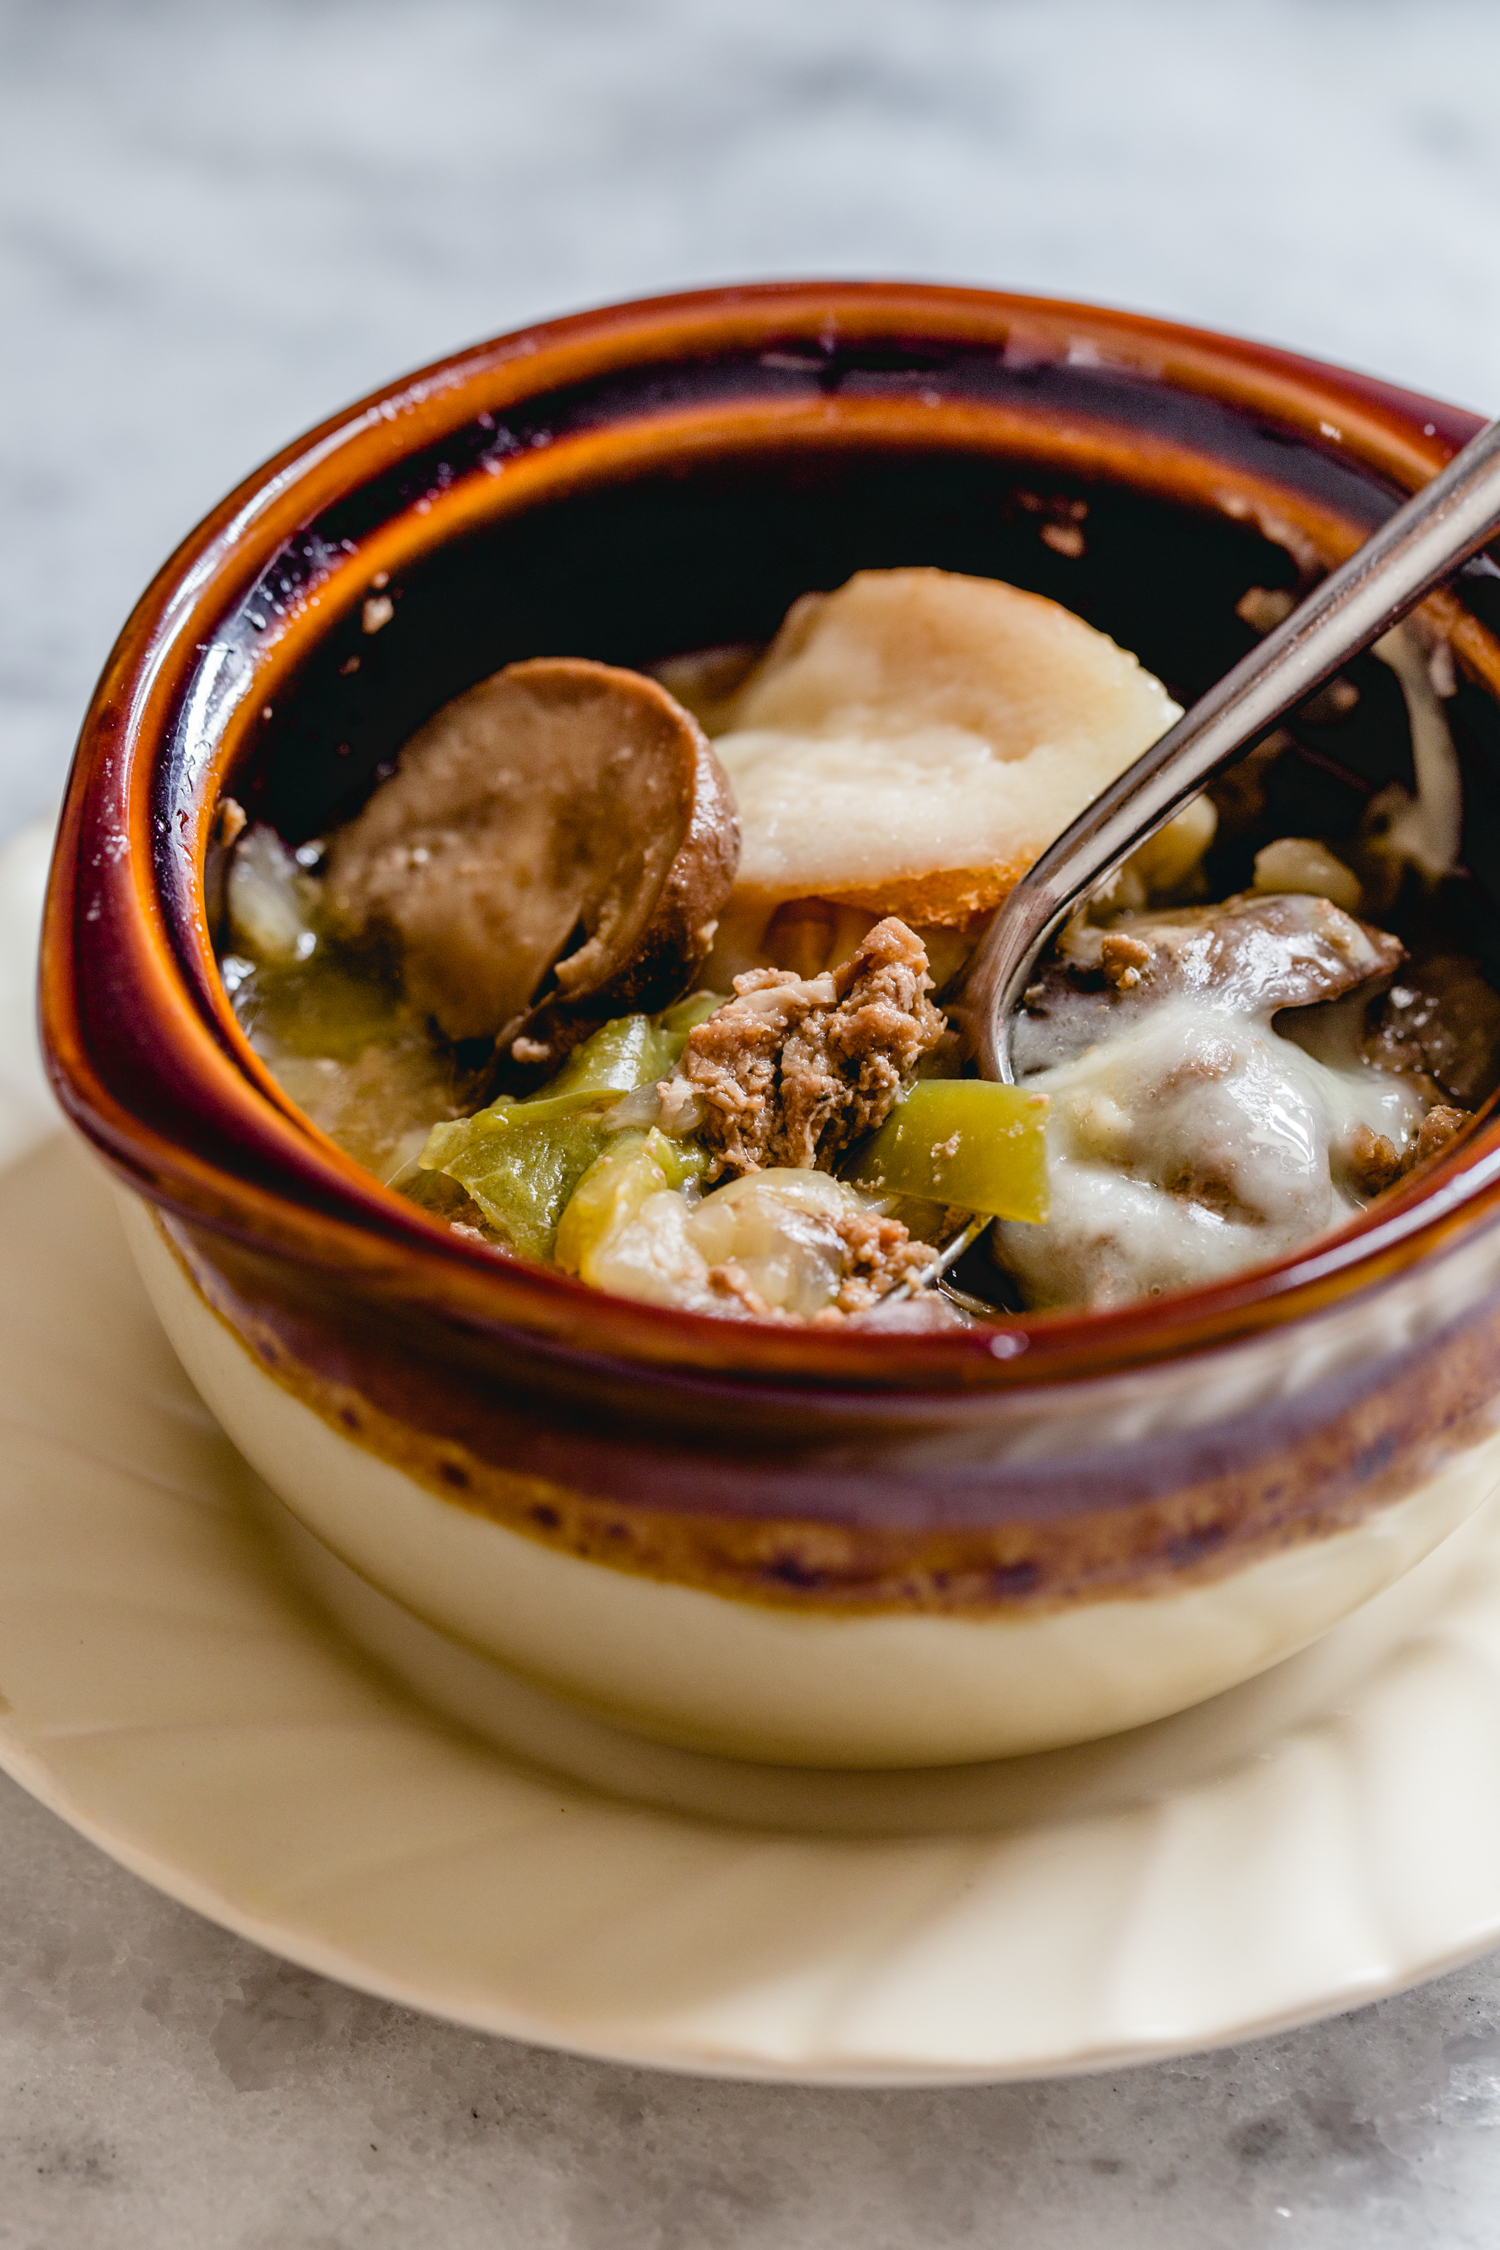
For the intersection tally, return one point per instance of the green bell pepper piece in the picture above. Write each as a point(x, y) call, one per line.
point(521, 1170)
point(522, 1161)
point(622, 1054)
point(964, 1141)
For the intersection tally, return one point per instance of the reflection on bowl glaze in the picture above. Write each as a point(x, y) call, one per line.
point(855, 1549)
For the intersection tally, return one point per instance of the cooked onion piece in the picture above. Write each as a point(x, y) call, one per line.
point(561, 833)
point(1301, 863)
point(909, 744)
point(781, 1244)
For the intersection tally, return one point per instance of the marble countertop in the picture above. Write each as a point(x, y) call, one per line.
point(218, 223)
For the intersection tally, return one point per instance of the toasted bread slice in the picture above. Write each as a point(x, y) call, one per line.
point(910, 744)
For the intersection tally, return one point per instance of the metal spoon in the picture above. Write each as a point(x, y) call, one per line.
point(1438, 529)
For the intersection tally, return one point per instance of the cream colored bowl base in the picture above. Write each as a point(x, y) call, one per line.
point(1323, 1835)
point(752, 1681)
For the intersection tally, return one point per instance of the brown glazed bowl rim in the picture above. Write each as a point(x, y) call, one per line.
point(140, 1042)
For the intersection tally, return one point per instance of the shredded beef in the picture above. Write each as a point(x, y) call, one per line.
point(1442, 1020)
point(794, 1069)
point(1251, 955)
point(1371, 1161)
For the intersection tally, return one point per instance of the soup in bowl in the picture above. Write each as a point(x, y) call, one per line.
point(507, 936)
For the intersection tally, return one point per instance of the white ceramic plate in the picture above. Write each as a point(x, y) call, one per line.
point(185, 1679)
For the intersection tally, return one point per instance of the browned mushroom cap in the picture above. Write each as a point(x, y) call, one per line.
point(558, 797)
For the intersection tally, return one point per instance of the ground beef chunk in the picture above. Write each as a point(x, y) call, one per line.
point(1437, 1129)
point(1370, 1162)
point(794, 1069)
point(879, 1254)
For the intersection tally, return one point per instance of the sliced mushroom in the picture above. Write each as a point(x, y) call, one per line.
point(554, 845)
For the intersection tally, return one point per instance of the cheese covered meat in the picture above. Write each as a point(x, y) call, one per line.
point(1207, 1112)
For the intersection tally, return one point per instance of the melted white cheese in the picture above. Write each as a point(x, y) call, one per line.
point(1425, 829)
point(1194, 1144)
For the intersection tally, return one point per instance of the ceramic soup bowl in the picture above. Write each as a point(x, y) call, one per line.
point(828, 1547)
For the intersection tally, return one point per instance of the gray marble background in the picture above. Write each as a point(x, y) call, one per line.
point(217, 223)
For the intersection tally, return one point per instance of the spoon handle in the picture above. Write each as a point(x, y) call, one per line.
point(1435, 531)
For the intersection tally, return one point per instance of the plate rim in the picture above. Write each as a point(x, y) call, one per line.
point(321, 1959)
